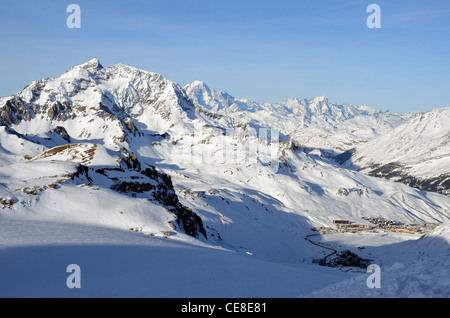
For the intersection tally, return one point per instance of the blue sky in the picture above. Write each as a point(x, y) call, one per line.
point(261, 50)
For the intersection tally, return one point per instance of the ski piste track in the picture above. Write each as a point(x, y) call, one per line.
point(323, 260)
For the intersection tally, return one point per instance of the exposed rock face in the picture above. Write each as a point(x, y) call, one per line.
point(63, 132)
point(159, 187)
point(14, 111)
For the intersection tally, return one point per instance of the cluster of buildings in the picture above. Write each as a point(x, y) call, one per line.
point(378, 223)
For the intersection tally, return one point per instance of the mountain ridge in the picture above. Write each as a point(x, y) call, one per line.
point(416, 153)
point(311, 123)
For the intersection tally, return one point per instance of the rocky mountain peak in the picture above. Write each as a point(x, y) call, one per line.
point(92, 65)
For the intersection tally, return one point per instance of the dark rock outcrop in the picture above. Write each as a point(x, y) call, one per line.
point(346, 259)
point(158, 186)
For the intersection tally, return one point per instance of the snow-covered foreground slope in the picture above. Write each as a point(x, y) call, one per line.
point(117, 263)
point(117, 169)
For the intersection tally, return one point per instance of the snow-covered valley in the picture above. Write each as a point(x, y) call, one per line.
point(156, 190)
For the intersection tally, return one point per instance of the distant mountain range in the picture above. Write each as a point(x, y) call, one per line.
point(412, 148)
point(310, 123)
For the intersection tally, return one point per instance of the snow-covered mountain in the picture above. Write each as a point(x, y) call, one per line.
point(416, 153)
point(87, 116)
point(130, 155)
point(101, 101)
point(310, 123)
